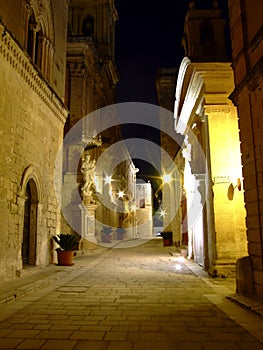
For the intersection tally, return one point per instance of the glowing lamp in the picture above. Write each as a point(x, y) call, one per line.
point(166, 178)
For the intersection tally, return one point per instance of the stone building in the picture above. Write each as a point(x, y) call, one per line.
point(32, 117)
point(90, 90)
point(56, 67)
point(207, 168)
point(144, 210)
point(91, 70)
point(247, 56)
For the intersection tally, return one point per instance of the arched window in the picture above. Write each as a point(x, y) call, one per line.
point(88, 26)
point(31, 35)
point(39, 48)
point(38, 45)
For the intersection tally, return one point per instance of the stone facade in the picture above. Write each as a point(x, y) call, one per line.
point(247, 52)
point(90, 87)
point(144, 210)
point(211, 214)
point(32, 117)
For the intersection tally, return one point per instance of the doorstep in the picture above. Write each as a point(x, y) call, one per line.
point(250, 303)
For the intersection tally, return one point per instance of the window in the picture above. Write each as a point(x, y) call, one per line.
point(142, 203)
point(38, 46)
point(88, 26)
point(207, 34)
point(207, 38)
point(31, 35)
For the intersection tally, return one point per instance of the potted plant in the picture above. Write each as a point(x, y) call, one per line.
point(106, 234)
point(120, 233)
point(67, 244)
point(167, 238)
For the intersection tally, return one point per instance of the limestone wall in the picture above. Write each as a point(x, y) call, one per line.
point(247, 48)
point(31, 126)
point(229, 210)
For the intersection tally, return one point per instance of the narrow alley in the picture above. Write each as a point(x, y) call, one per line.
point(134, 298)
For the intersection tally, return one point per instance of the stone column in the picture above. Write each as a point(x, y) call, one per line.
point(87, 222)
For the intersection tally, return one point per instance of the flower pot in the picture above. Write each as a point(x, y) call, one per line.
point(167, 242)
point(167, 238)
point(120, 236)
point(65, 257)
point(106, 238)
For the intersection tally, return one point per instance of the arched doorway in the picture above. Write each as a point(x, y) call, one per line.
point(30, 224)
point(26, 228)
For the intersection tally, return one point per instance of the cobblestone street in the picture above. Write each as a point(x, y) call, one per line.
point(135, 298)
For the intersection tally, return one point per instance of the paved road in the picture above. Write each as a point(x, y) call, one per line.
point(137, 298)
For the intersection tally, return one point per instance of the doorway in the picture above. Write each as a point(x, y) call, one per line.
point(26, 228)
point(30, 225)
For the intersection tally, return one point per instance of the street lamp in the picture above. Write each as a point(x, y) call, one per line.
point(166, 178)
point(108, 179)
point(162, 213)
point(121, 194)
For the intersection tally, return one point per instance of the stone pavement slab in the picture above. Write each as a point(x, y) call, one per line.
point(141, 297)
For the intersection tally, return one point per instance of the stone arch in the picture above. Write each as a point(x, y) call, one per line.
point(30, 198)
point(40, 35)
point(88, 25)
point(182, 85)
point(44, 18)
point(187, 94)
point(31, 173)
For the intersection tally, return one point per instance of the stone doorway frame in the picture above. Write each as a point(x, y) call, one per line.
point(30, 177)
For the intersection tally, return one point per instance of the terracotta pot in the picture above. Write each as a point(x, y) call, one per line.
point(120, 236)
point(167, 242)
point(65, 257)
point(106, 238)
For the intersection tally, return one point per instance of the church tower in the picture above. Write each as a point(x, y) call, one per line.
point(204, 34)
point(91, 69)
point(95, 19)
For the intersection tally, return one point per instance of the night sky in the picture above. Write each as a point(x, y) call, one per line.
point(148, 37)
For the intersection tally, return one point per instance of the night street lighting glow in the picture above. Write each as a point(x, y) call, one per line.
point(108, 179)
point(121, 194)
point(162, 213)
point(166, 178)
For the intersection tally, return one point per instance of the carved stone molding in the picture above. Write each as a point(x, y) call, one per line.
point(78, 68)
point(217, 109)
point(31, 172)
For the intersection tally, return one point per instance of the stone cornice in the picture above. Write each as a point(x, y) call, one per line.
point(81, 50)
point(18, 60)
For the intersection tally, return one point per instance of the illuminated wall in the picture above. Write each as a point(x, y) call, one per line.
point(32, 117)
point(216, 234)
point(226, 172)
point(144, 210)
point(247, 52)
point(214, 227)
